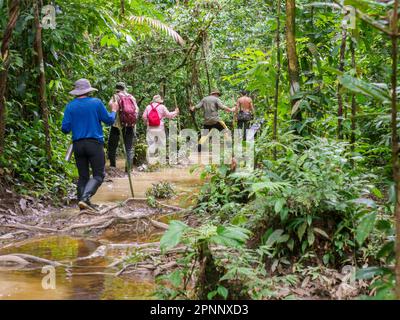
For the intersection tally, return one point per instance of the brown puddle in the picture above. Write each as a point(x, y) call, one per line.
point(184, 183)
point(27, 284)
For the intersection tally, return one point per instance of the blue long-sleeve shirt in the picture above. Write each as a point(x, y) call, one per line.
point(83, 117)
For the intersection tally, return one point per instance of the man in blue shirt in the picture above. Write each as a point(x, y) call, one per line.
point(83, 116)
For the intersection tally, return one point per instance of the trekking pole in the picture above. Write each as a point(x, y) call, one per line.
point(127, 162)
point(179, 122)
point(234, 122)
point(68, 155)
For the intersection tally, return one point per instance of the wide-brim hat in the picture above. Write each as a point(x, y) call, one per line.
point(158, 99)
point(82, 86)
point(215, 91)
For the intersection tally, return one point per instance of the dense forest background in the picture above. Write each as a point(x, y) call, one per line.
point(323, 75)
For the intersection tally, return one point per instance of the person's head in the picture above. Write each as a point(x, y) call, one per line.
point(215, 93)
point(82, 88)
point(244, 92)
point(158, 99)
point(120, 86)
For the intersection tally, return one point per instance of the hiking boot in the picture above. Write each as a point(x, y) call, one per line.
point(86, 205)
point(90, 189)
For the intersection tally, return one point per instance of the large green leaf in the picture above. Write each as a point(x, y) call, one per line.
point(279, 204)
point(230, 236)
point(365, 227)
point(362, 87)
point(173, 235)
point(302, 230)
point(370, 272)
point(274, 237)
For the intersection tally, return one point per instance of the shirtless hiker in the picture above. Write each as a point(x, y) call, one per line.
point(244, 111)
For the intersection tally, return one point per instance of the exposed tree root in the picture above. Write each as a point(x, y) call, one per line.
point(28, 227)
point(157, 202)
point(12, 259)
point(23, 260)
point(11, 235)
point(158, 224)
point(93, 274)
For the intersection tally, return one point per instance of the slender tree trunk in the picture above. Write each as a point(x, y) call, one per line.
point(206, 67)
point(293, 62)
point(395, 140)
point(13, 14)
point(339, 87)
point(278, 73)
point(42, 81)
point(122, 7)
point(353, 100)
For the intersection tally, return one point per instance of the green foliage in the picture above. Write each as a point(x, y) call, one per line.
point(161, 190)
point(199, 242)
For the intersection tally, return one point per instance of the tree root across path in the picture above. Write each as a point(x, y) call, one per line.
point(153, 262)
point(104, 218)
point(150, 259)
point(23, 260)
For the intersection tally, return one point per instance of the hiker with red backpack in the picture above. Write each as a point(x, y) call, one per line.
point(153, 117)
point(126, 123)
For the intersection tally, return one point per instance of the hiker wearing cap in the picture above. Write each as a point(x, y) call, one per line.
point(83, 117)
point(153, 116)
point(244, 111)
point(210, 106)
point(125, 122)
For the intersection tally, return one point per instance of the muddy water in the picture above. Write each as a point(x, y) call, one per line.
point(27, 284)
point(118, 189)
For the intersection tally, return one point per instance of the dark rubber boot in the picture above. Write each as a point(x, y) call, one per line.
point(113, 163)
point(79, 192)
point(90, 189)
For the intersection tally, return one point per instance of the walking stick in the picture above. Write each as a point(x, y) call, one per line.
point(234, 122)
point(179, 122)
point(127, 162)
point(70, 150)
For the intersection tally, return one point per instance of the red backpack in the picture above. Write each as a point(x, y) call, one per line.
point(127, 110)
point(153, 116)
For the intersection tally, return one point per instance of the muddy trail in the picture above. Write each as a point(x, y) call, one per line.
point(112, 254)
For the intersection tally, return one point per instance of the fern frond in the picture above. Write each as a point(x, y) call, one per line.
point(156, 24)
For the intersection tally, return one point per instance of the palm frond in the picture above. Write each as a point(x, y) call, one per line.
point(156, 24)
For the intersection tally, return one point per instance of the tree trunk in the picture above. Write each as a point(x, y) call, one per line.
point(122, 7)
point(13, 14)
point(293, 62)
point(395, 140)
point(339, 87)
point(353, 100)
point(42, 81)
point(278, 74)
point(206, 68)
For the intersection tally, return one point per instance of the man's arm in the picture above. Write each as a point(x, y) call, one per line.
point(168, 114)
point(221, 106)
point(198, 106)
point(136, 107)
point(107, 117)
point(66, 123)
point(114, 99)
